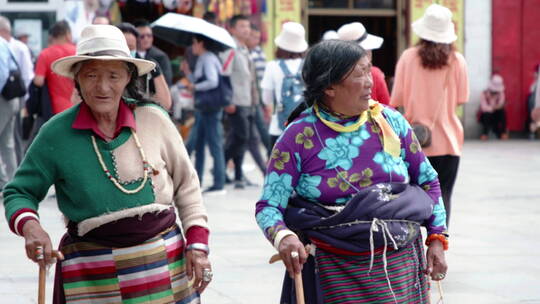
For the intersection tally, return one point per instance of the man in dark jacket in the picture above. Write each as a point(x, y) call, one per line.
point(146, 50)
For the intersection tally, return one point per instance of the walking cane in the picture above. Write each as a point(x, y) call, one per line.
point(43, 273)
point(298, 284)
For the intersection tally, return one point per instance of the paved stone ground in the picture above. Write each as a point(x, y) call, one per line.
point(494, 256)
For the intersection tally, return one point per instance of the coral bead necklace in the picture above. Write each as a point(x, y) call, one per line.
point(146, 166)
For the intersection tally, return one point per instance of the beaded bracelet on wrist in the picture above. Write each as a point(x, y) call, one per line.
point(439, 237)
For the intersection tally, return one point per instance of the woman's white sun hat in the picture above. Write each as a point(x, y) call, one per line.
point(101, 42)
point(292, 38)
point(357, 32)
point(436, 25)
point(329, 35)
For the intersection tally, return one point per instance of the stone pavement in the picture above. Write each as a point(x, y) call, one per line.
point(494, 254)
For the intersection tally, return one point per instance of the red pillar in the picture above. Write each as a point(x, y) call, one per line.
point(515, 50)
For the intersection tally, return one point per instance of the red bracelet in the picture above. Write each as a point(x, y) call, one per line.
point(439, 237)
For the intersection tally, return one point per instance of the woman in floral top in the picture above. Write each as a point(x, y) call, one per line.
point(348, 177)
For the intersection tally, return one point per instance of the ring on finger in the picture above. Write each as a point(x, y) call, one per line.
point(39, 253)
point(294, 254)
point(440, 276)
point(207, 275)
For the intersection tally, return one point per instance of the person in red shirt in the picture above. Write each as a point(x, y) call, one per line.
point(357, 32)
point(60, 88)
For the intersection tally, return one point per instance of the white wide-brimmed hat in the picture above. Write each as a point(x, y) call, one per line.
point(436, 25)
point(329, 35)
point(101, 42)
point(357, 32)
point(292, 38)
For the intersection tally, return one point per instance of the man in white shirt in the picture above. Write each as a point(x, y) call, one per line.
point(22, 56)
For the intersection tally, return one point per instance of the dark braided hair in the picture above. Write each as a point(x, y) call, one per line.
point(326, 63)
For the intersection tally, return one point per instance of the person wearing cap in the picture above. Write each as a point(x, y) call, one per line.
point(492, 114)
point(329, 35)
point(357, 32)
point(347, 178)
point(291, 47)
point(430, 83)
point(117, 183)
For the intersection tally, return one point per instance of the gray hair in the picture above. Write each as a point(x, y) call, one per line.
point(5, 24)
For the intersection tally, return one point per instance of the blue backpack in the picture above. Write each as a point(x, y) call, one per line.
point(292, 94)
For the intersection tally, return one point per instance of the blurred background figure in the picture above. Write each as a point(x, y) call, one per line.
point(61, 89)
point(79, 14)
point(492, 114)
point(282, 83)
point(204, 78)
point(8, 111)
point(240, 112)
point(23, 58)
point(331, 34)
point(430, 83)
point(534, 104)
point(357, 32)
point(147, 50)
point(161, 93)
point(101, 20)
point(261, 117)
point(191, 60)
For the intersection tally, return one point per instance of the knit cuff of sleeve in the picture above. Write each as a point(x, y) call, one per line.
point(280, 236)
point(439, 237)
point(197, 234)
point(20, 217)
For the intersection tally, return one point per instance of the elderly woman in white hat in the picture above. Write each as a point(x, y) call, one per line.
point(430, 83)
point(492, 115)
point(119, 169)
point(282, 87)
point(357, 32)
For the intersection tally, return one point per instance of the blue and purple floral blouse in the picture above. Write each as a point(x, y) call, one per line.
point(328, 167)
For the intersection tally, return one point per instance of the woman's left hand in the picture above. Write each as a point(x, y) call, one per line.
point(436, 262)
point(196, 264)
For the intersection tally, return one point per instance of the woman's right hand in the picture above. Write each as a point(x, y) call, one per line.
point(287, 246)
point(35, 236)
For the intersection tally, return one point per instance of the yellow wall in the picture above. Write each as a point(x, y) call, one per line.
point(279, 12)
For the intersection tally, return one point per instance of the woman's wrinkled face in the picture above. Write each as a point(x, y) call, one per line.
point(102, 83)
point(352, 94)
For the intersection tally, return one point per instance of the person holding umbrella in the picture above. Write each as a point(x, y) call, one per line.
point(117, 183)
point(209, 129)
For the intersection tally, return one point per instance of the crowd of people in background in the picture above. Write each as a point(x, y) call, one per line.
point(264, 92)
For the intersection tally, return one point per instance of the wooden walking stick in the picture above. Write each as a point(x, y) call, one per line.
point(299, 288)
point(43, 276)
point(298, 283)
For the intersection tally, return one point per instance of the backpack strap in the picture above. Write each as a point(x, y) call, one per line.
point(228, 61)
point(284, 68)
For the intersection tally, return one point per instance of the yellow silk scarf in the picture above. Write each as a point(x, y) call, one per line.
point(391, 142)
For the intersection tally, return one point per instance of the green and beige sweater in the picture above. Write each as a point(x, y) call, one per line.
point(64, 157)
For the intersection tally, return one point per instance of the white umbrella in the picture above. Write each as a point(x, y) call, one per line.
point(179, 29)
